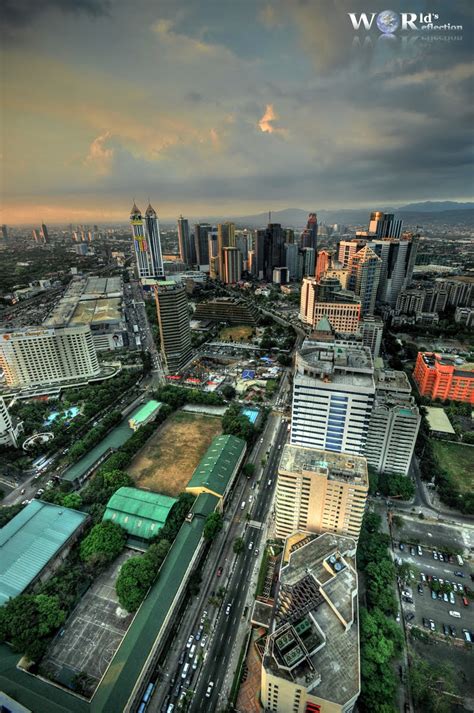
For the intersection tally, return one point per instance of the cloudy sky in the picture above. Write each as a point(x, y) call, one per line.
point(213, 107)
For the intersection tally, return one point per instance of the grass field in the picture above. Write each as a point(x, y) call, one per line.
point(167, 461)
point(458, 461)
point(237, 333)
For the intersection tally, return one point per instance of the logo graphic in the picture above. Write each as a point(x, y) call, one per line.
point(388, 22)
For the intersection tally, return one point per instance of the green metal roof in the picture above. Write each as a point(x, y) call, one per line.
point(30, 540)
point(117, 684)
point(218, 464)
point(145, 411)
point(204, 504)
point(141, 513)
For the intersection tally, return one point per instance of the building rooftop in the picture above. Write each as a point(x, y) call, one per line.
point(218, 465)
point(88, 300)
point(335, 361)
point(30, 540)
point(97, 311)
point(438, 420)
point(337, 466)
point(141, 513)
point(314, 639)
point(145, 411)
point(391, 380)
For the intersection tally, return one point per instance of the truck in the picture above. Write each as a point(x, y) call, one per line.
point(135, 328)
point(138, 341)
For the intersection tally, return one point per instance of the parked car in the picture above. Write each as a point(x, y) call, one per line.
point(456, 574)
point(420, 589)
point(432, 625)
point(426, 623)
point(219, 571)
point(445, 629)
point(409, 616)
point(434, 595)
point(452, 629)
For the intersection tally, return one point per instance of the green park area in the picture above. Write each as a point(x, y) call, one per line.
point(237, 333)
point(457, 460)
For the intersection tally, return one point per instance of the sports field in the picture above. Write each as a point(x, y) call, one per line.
point(167, 461)
point(458, 461)
point(238, 333)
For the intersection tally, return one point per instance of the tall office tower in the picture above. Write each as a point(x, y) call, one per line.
point(44, 234)
point(173, 321)
point(241, 244)
point(9, 429)
point(320, 491)
point(201, 244)
point(147, 243)
point(328, 299)
point(187, 251)
point(309, 236)
point(333, 395)
point(323, 263)
point(311, 659)
point(309, 261)
point(90, 236)
point(291, 260)
point(232, 265)
point(347, 249)
point(259, 249)
point(365, 267)
point(34, 356)
point(213, 255)
point(385, 225)
point(273, 250)
point(371, 330)
point(289, 235)
point(392, 434)
point(5, 233)
point(280, 276)
point(251, 262)
point(225, 239)
point(35, 235)
point(398, 259)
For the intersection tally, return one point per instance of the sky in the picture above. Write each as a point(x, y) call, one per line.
point(210, 107)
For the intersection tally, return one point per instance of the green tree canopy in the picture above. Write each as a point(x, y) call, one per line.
point(104, 542)
point(213, 525)
point(28, 620)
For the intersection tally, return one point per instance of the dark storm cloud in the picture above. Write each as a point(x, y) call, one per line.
point(16, 14)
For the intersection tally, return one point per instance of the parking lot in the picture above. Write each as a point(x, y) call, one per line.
point(434, 573)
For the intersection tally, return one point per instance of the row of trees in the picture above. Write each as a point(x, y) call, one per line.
point(99, 396)
point(390, 484)
point(93, 436)
point(176, 396)
point(236, 424)
point(380, 637)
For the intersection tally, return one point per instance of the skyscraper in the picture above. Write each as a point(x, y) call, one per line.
point(201, 244)
point(173, 321)
point(259, 250)
point(232, 265)
point(398, 259)
point(365, 267)
point(225, 239)
point(323, 263)
point(35, 235)
point(44, 233)
point(309, 261)
point(385, 225)
point(5, 232)
point(273, 249)
point(291, 260)
point(309, 236)
point(187, 251)
point(147, 243)
point(347, 249)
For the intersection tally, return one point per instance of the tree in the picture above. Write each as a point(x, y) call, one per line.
point(71, 500)
point(396, 485)
point(135, 578)
point(238, 545)
point(28, 620)
point(284, 359)
point(212, 526)
point(104, 542)
point(373, 480)
point(431, 685)
point(248, 470)
point(228, 391)
point(398, 521)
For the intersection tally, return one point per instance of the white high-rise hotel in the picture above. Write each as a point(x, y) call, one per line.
point(147, 243)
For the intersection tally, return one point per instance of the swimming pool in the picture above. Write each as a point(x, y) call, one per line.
point(65, 415)
point(251, 413)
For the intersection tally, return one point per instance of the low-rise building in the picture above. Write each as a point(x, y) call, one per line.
point(226, 309)
point(141, 513)
point(320, 491)
point(144, 414)
point(441, 376)
point(218, 467)
point(311, 660)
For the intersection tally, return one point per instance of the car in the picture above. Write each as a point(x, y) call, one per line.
point(269, 481)
point(199, 633)
point(433, 594)
point(465, 601)
point(420, 551)
point(408, 600)
point(445, 597)
point(441, 581)
point(195, 663)
point(440, 557)
point(256, 552)
point(423, 577)
point(420, 589)
point(204, 616)
point(467, 635)
point(401, 546)
point(227, 609)
point(452, 598)
point(181, 659)
point(189, 642)
point(455, 614)
point(409, 616)
point(445, 629)
point(435, 555)
point(456, 574)
point(397, 618)
point(204, 640)
point(432, 625)
point(440, 595)
point(412, 551)
point(219, 571)
point(426, 623)
point(250, 545)
point(209, 689)
point(452, 630)
point(192, 651)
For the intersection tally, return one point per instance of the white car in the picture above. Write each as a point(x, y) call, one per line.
point(190, 641)
point(227, 609)
point(209, 689)
point(250, 545)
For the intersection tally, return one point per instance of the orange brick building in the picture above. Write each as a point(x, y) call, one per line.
point(438, 376)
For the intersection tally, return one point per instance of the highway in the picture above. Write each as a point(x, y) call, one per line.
point(235, 577)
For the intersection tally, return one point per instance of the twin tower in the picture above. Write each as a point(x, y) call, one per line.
point(147, 243)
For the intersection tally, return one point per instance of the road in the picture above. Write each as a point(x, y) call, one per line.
point(235, 578)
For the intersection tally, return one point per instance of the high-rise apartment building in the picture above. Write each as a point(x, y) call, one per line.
point(201, 244)
point(35, 357)
point(187, 251)
point(311, 659)
point(392, 434)
point(225, 239)
point(9, 429)
point(371, 331)
point(173, 321)
point(320, 491)
point(289, 235)
point(241, 243)
point(439, 376)
point(309, 236)
point(232, 265)
point(347, 249)
point(364, 276)
point(323, 263)
point(309, 261)
point(333, 395)
point(147, 243)
point(326, 298)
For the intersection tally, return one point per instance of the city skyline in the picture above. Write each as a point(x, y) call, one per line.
point(285, 111)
